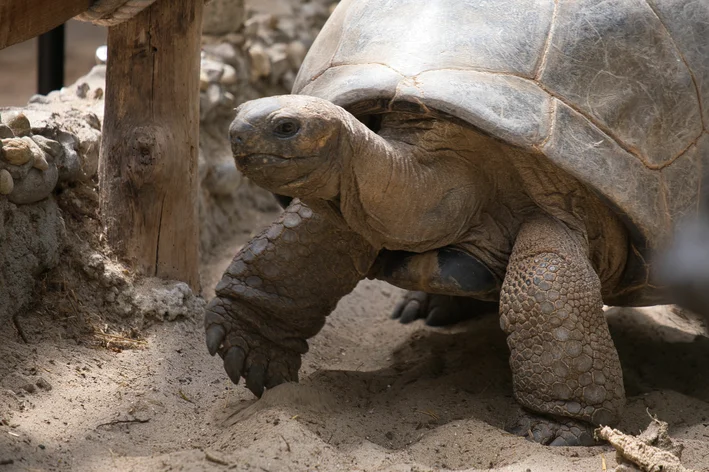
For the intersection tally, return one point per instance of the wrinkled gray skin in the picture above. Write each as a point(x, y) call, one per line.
point(529, 154)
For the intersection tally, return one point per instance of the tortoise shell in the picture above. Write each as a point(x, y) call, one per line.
point(614, 93)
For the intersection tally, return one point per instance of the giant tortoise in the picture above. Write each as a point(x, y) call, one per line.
point(534, 154)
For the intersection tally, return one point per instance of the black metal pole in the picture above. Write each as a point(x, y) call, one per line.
point(50, 60)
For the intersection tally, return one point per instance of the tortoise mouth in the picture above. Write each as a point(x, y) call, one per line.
point(245, 161)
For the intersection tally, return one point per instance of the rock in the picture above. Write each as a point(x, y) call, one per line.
point(37, 185)
point(279, 61)
point(223, 178)
point(6, 183)
point(38, 156)
point(237, 39)
point(229, 77)
point(223, 51)
point(222, 16)
point(93, 120)
point(6, 132)
point(17, 172)
point(16, 151)
point(167, 300)
point(82, 90)
point(296, 53)
point(213, 69)
point(18, 123)
point(88, 148)
point(50, 146)
point(260, 62)
point(37, 98)
point(18, 383)
point(203, 81)
point(43, 384)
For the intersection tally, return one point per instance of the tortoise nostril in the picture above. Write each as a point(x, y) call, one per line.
point(238, 139)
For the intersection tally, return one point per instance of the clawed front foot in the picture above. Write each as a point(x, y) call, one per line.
point(262, 362)
point(551, 431)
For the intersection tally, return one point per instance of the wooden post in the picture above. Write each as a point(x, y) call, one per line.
point(148, 164)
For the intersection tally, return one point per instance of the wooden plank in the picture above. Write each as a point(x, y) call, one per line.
point(21, 20)
point(148, 164)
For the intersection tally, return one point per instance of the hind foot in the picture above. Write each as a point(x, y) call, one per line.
point(551, 431)
point(440, 310)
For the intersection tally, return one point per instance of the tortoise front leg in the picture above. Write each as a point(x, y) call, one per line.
point(564, 363)
point(278, 290)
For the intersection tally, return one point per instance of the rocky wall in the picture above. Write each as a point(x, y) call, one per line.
point(51, 146)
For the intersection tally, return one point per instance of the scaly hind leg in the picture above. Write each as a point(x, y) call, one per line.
point(565, 367)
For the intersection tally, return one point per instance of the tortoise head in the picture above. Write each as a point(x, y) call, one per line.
point(290, 144)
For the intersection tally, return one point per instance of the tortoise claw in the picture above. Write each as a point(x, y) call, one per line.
point(255, 379)
point(234, 363)
point(215, 336)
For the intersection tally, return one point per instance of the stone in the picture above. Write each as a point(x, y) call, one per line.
point(18, 123)
point(36, 186)
point(6, 183)
point(224, 51)
point(213, 69)
point(296, 53)
point(69, 162)
point(93, 120)
point(260, 62)
point(222, 16)
point(18, 383)
point(39, 160)
point(50, 146)
point(82, 90)
point(223, 178)
point(37, 98)
point(16, 151)
point(280, 64)
point(203, 80)
point(6, 132)
point(229, 77)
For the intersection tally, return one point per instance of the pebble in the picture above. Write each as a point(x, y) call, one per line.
point(279, 61)
point(229, 77)
point(203, 81)
point(213, 69)
point(296, 53)
point(6, 183)
point(16, 151)
point(260, 62)
point(6, 132)
point(50, 146)
point(36, 186)
point(18, 123)
point(40, 162)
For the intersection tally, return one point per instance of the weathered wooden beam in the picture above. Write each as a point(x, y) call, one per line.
point(21, 20)
point(148, 163)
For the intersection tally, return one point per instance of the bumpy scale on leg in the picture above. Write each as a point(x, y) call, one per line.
point(278, 290)
point(563, 360)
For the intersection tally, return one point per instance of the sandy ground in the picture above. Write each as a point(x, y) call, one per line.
point(374, 396)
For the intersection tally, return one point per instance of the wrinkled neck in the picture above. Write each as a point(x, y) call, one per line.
point(402, 190)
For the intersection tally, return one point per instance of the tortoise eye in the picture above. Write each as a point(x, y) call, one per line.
point(286, 129)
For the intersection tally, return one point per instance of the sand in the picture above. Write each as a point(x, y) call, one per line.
point(374, 396)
